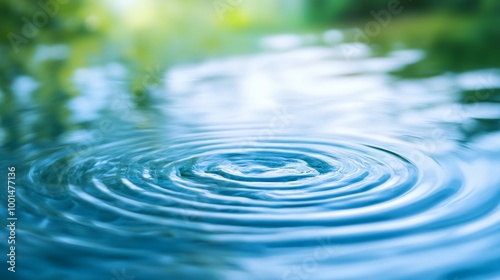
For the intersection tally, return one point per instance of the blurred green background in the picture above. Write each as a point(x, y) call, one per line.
point(43, 43)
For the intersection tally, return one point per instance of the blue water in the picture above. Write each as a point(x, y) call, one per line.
point(287, 164)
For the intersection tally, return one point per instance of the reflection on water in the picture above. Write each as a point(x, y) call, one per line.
point(288, 164)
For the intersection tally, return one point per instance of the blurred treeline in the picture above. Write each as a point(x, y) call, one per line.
point(344, 10)
point(457, 35)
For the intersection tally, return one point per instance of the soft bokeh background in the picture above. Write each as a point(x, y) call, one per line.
point(46, 46)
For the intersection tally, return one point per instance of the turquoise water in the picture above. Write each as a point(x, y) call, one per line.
point(294, 163)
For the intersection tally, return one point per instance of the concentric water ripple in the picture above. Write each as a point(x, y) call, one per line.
point(282, 193)
point(227, 188)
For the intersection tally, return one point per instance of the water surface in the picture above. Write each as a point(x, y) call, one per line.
point(294, 163)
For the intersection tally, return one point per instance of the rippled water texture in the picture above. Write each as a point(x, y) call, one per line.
point(285, 165)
